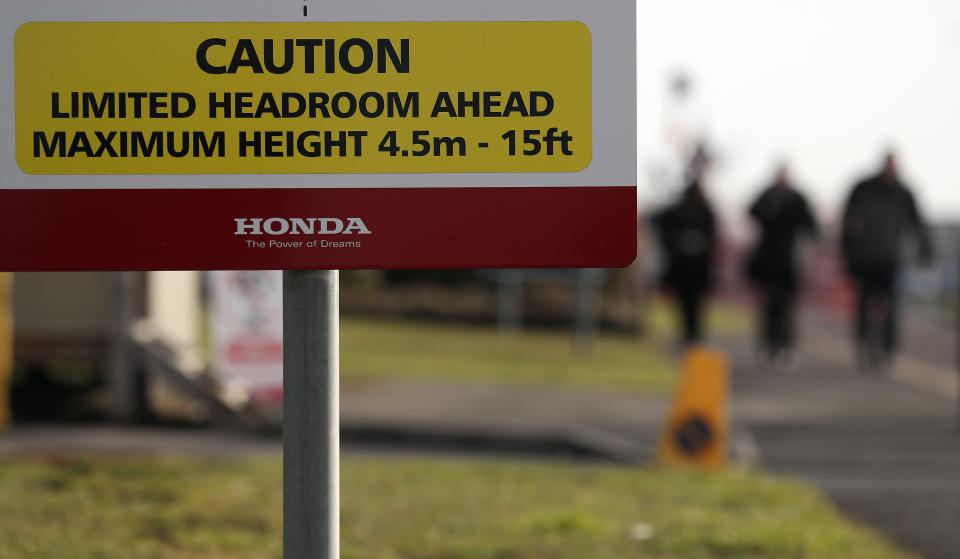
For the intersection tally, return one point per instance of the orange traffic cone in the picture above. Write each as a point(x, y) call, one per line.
point(697, 427)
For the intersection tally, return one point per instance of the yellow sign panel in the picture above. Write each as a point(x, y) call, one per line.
point(414, 97)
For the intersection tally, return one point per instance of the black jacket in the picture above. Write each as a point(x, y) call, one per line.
point(782, 215)
point(686, 230)
point(880, 213)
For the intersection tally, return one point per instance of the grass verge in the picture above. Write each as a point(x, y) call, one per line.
point(721, 319)
point(410, 349)
point(186, 508)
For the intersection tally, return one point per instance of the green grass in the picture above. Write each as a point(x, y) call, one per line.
point(181, 508)
point(408, 349)
point(721, 319)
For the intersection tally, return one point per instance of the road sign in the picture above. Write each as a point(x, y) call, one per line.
point(247, 135)
point(263, 134)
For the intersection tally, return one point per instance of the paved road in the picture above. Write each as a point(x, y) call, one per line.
point(886, 449)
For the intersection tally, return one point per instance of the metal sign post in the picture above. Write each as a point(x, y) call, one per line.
point(311, 414)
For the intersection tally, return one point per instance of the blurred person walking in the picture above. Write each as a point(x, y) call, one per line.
point(783, 218)
point(686, 230)
point(880, 214)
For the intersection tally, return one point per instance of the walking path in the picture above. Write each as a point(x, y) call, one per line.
point(885, 449)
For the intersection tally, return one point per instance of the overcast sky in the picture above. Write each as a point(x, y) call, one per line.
point(825, 85)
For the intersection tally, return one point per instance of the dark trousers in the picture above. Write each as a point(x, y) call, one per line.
point(877, 310)
point(690, 305)
point(779, 304)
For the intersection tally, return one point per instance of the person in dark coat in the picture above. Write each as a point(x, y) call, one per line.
point(783, 218)
point(686, 230)
point(879, 215)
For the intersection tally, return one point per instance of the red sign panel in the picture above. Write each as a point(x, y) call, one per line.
point(173, 229)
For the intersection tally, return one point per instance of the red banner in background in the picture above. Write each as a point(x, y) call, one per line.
point(246, 323)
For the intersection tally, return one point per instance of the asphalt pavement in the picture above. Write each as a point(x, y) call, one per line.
point(885, 448)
